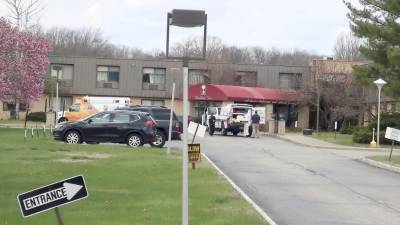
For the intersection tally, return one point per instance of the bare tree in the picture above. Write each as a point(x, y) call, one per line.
point(89, 42)
point(347, 47)
point(23, 13)
point(333, 93)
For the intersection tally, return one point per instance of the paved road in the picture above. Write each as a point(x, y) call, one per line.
point(298, 185)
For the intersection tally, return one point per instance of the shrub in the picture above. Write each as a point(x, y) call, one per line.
point(387, 120)
point(37, 116)
point(362, 135)
point(346, 128)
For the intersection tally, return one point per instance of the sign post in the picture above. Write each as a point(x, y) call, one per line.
point(394, 135)
point(170, 119)
point(52, 196)
point(335, 128)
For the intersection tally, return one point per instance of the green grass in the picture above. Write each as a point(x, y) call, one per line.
point(342, 139)
point(395, 161)
point(126, 186)
point(20, 122)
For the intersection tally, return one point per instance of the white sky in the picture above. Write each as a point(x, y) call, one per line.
point(311, 25)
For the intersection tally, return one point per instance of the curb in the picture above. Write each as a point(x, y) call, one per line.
point(263, 214)
point(380, 165)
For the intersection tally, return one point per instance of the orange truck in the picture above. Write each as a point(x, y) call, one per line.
point(79, 110)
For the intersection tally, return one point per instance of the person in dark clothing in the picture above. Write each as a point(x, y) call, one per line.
point(255, 123)
point(211, 124)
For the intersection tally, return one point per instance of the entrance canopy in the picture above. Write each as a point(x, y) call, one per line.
point(218, 93)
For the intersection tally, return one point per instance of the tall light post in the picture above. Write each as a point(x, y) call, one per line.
point(186, 18)
point(379, 83)
point(57, 68)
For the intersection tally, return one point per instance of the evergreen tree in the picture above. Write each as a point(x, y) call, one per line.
point(377, 22)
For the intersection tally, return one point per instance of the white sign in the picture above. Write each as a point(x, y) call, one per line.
point(261, 113)
point(392, 134)
point(335, 125)
point(201, 130)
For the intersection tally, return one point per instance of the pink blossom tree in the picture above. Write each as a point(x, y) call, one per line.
point(23, 63)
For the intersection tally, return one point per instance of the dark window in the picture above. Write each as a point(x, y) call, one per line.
point(107, 77)
point(154, 79)
point(121, 118)
point(161, 114)
point(246, 78)
point(101, 118)
point(290, 80)
point(11, 107)
point(134, 118)
point(63, 73)
point(198, 76)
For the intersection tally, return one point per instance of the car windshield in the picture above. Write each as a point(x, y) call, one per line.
point(75, 107)
point(240, 110)
point(212, 110)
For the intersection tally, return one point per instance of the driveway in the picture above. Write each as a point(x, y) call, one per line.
point(297, 185)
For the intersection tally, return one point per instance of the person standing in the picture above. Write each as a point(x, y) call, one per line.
point(211, 124)
point(255, 123)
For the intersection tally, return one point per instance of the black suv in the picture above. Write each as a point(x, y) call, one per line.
point(161, 115)
point(133, 128)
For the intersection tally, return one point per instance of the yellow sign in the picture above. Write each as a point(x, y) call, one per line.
point(194, 153)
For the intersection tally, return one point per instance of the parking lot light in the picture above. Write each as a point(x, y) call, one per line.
point(379, 83)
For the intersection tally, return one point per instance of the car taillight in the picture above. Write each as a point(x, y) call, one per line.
point(177, 127)
point(150, 123)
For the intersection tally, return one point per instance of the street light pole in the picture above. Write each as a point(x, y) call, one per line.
point(379, 83)
point(186, 18)
point(185, 176)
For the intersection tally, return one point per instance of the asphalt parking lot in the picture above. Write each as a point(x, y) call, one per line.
point(298, 185)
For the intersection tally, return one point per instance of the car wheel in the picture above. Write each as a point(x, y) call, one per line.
point(62, 119)
point(134, 140)
point(73, 137)
point(159, 140)
point(235, 133)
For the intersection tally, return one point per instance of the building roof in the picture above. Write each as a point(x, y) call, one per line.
point(217, 92)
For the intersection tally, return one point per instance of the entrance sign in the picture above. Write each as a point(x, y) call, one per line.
point(194, 153)
point(197, 129)
point(392, 134)
point(52, 195)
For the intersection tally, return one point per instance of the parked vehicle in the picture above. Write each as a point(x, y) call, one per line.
point(133, 128)
point(80, 110)
point(232, 118)
point(161, 115)
point(87, 106)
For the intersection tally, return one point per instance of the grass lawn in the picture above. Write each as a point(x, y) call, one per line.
point(126, 186)
point(341, 139)
point(395, 161)
point(344, 139)
point(20, 122)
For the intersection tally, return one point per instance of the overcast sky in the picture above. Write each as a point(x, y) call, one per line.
point(311, 25)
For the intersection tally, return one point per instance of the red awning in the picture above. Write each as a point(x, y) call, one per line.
point(216, 92)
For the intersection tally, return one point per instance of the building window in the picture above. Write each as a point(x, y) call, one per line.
point(11, 107)
point(290, 80)
point(198, 77)
point(154, 79)
point(246, 78)
point(63, 73)
point(107, 77)
point(153, 102)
